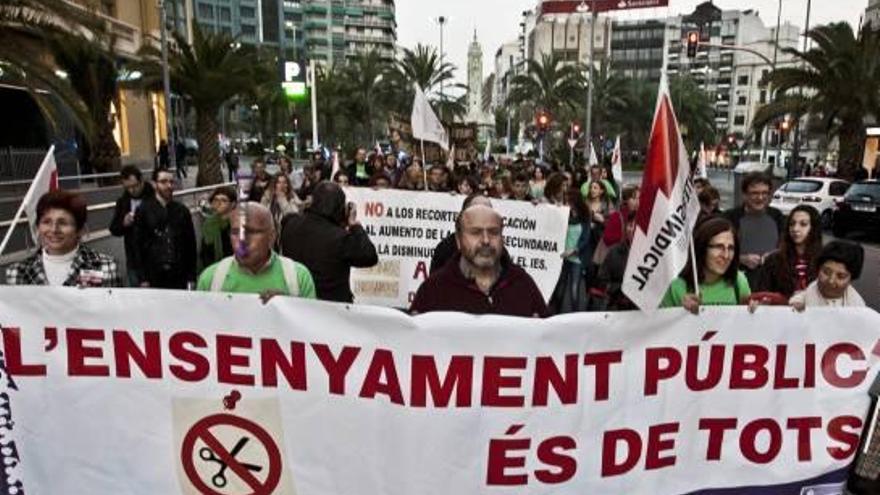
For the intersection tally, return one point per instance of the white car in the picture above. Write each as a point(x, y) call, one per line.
point(821, 193)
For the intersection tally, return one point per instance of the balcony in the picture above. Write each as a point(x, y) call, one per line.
point(383, 24)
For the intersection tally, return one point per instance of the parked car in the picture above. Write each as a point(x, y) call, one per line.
point(859, 210)
point(822, 193)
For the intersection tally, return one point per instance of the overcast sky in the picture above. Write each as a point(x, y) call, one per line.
point(497, 21)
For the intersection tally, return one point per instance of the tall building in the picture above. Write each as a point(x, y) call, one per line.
point(732, 78)
point(507, 66)
point(325, 30)
point(872, 14)
point(637, 48)
point(475, 113)
point(560, 29)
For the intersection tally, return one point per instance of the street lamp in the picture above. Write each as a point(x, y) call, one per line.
point(583, 8)
point(441, 20)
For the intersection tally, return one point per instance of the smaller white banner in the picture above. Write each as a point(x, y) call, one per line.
point(406, 226)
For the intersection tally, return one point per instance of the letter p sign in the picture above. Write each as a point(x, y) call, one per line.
point(292, 71)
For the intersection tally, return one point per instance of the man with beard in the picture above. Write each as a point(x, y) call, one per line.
point(480, 279)
point(135, 190)
point(165, 240)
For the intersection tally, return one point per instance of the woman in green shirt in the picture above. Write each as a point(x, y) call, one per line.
point(721, 283)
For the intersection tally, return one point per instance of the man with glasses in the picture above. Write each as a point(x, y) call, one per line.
point(165, 240)
point(758, 225)
point(135, 189)
point(256, 268)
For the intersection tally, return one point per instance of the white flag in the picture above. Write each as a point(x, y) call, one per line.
point(450, 159)
point(379, 149)
point(336, 166)
point(593, 159)
point(488, 151)
point(668, 209)
point(46, 180)
point(617, 163)
point(701, 163)
point(425, 124)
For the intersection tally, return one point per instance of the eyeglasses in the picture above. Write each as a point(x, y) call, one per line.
point(724, 248)
point(758, 194)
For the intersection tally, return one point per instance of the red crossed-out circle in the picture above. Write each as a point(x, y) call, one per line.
point(201, 431)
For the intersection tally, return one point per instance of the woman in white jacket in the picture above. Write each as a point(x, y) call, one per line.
point(839, 263)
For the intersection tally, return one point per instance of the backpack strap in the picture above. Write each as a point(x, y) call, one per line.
point(220, 274)
point(288, 266)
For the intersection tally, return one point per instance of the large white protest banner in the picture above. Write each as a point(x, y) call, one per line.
point(406, 226)
point(147, 392)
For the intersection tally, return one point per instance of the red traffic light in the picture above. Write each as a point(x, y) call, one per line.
point(693, 40)
point(576, 128)
point(543, 119)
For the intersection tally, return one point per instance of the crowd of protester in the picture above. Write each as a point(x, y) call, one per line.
point(293, 233)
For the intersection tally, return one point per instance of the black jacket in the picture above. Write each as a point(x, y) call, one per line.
point(165, 242)
point(351, 172)
point(123, 206)
point(317, 239)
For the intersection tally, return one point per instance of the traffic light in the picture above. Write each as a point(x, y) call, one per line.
point(575, 129)
point(693, 41)
point(543, 120)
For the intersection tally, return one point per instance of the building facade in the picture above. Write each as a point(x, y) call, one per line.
point(637, 48)
point(140, 122)
point(327, 31)
point(567, 34)
point(734, 79)
point(475, 112)
point(507, 65)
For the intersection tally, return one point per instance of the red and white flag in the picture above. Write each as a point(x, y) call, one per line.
point(617, 162)
point(46, 180)
point(668, 209)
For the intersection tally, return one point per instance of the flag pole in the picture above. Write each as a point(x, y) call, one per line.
point(424, 166)
point(694, 265)
point(12, 225)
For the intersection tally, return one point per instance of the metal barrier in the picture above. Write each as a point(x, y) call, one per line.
point(189, 197)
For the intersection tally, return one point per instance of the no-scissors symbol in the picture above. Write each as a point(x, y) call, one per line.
point(223, 462)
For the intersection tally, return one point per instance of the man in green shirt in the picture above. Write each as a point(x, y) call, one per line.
point(255, 268)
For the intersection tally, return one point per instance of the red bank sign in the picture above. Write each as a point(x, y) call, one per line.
point(570, 6)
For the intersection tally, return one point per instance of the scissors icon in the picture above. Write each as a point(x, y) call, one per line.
point(219, 479)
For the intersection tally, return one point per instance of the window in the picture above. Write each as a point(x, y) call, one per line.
point(741, 100)
point(838, 188)
point(763, 98)
point(248, 30)
point(248, 12)
point(739, 120)
point(225, 14)
point(742, 80)
point(206, 11)
point(802, 186)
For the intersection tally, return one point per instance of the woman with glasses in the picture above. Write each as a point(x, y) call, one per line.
point(721, 283)
point(62, 259)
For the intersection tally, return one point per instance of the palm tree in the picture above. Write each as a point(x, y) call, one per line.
point(25, 26)
point(550, 84)
point(209, 73)
point(694, 110)
point(422, 66)
point(92, 73)
point(611, 100)
point(366, 74)
point(837, 79)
